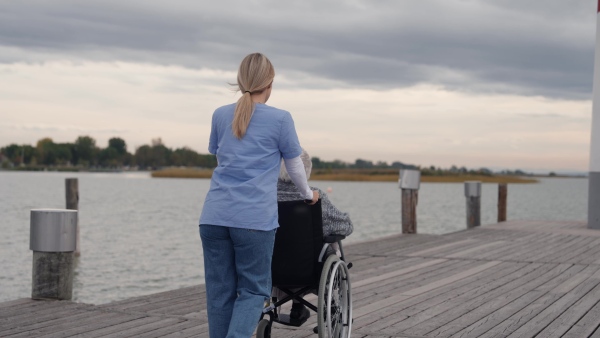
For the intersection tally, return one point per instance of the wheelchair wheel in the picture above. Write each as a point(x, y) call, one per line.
point(335, 300)
point(264, 329)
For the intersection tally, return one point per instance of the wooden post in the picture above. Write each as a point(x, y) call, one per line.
point(409, 211)
point(502, 196)
point(52, 239)
point(72, 193)
point(72, 197)
point(410, 182)
point(473, 195)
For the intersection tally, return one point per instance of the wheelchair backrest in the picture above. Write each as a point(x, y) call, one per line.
point(298, 243)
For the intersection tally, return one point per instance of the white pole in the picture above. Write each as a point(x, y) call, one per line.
point(594, 179)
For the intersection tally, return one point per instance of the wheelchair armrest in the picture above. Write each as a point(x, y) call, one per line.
point(333, 238)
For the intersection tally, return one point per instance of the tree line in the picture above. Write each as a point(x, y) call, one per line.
point(85, 153)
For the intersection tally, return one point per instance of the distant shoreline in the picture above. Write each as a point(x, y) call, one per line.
point(345, 175)
point(359, 176)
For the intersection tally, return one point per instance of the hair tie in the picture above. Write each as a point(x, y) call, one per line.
point(247, 91)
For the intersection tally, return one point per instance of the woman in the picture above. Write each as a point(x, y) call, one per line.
point(239, 217)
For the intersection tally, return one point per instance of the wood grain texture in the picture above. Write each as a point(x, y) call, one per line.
point(515, 279)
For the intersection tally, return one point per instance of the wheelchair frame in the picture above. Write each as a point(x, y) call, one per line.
point(334, 307)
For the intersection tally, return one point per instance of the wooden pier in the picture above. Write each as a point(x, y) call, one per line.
point(514, 279)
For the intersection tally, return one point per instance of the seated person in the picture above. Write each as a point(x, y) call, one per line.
point(335, 222)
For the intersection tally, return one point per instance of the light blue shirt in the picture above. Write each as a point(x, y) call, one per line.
point(243, 188)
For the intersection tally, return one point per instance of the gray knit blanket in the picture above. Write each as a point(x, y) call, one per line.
point(335, 222)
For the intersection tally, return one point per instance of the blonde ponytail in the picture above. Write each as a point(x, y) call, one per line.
point(254, 76)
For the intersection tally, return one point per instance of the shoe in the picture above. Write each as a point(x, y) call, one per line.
point(299, 312)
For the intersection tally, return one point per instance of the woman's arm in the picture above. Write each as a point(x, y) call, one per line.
point(295, 169)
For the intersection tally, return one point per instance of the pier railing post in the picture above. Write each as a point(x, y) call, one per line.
point(473, 195)
point(410, 182)
point(72, 197)
point(52, 239)
point(502, 196)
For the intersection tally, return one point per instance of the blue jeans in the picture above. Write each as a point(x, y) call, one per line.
point(237, 270)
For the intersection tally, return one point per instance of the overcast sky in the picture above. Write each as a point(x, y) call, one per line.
point(501, 84)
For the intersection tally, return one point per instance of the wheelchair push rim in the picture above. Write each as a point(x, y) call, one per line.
point(335, 300)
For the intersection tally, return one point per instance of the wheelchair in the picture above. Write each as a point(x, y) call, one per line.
point(304, 261)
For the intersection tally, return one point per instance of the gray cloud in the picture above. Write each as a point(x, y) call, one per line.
point(505, 46)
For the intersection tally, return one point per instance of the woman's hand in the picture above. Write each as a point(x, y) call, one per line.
point(314, 199)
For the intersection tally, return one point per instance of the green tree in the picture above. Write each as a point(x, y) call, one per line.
point(46, 152)
point(359, 163)
point(143, 156)
point(109, 157)
point(316, 163)
point(118, 144)
point(13, 153)
point(63, 153)
point(207, 161)
point(85, 150)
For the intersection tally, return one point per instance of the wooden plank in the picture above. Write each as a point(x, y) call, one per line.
point(383, 289)
point(16, 302)
point(149, 327)
point(473, 252)
point(384, 267)
point(174, 328)
point(526, 249)
point(118, 327)
point(530, 311)
point(547, 246)
point(38, 317)
point(46, 318)
point(394, 242)
point(511, 247)
point(422, 312)
point(164, 305)
point(487, 316)
point(563, 323)
point(67, 322)
point(195, 331)
point(396, 273)
point(434, 318)
point(361, 311)
point(451, 279)
point(588, 257)
point(9, 313)
point(531, 299)
point(586, 325)
point(195, 291)
point(551, 249)
point(400, 311)
point(375, 265)
point(431, 252)
point(593, 243)
point(401, 282)
point(544, 318)
point(153, 298)
point(574, 249)
point(449, 323)
point(91, 325)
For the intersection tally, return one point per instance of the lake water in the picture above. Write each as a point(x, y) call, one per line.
point(139, 235)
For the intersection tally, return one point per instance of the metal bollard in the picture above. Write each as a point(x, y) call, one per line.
point(52, 239)
point(473, 195)
point(410, 182)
